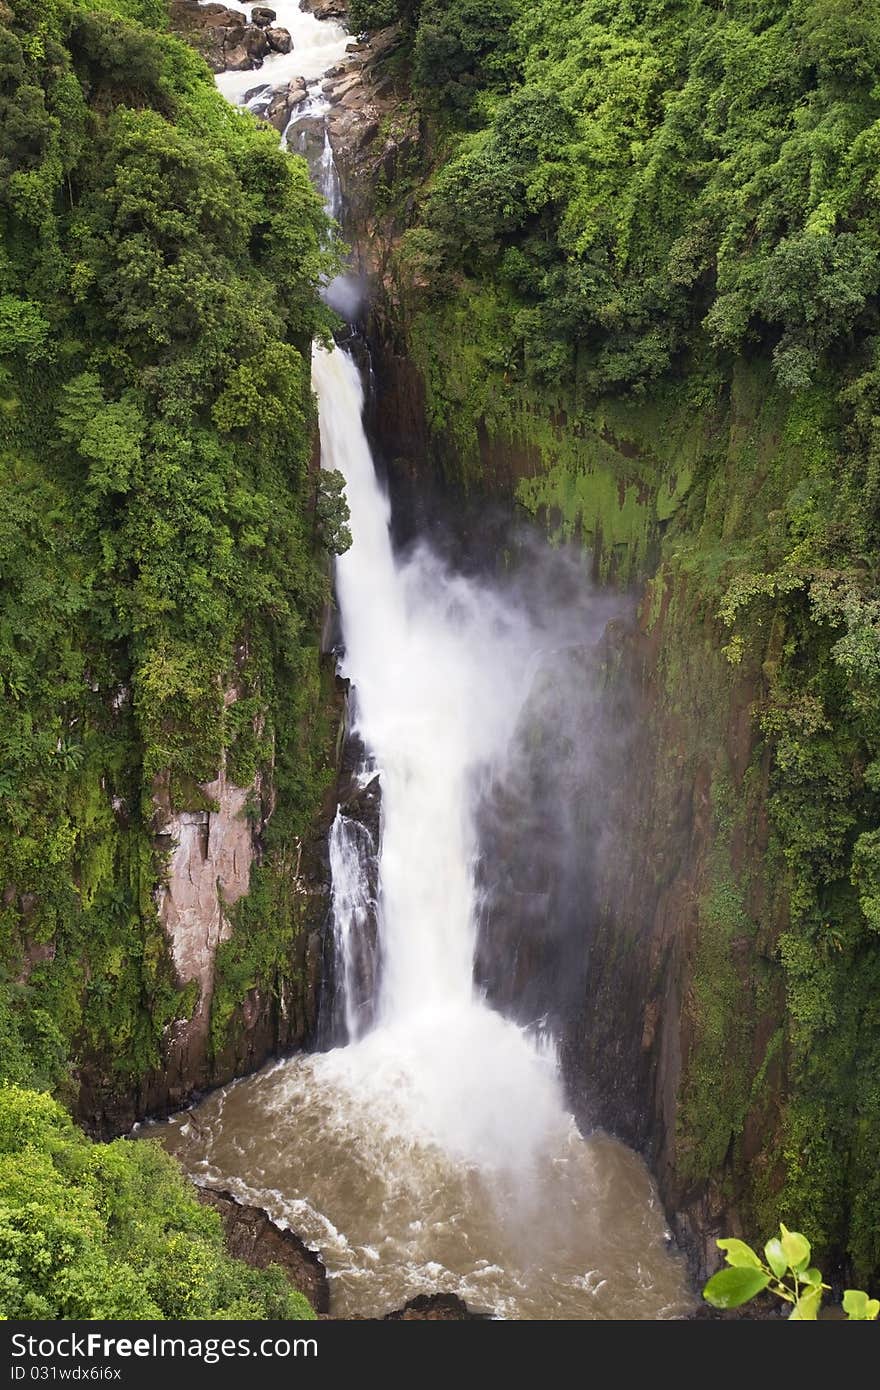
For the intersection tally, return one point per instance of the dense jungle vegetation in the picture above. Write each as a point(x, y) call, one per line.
point(112, 1230)
point(161, 540)
point(650, 222)
point(653, 227)
point(639, 182)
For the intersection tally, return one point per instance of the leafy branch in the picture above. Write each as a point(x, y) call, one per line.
point(787, 1273)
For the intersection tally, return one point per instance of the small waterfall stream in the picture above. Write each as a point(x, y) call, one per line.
point(353, 908)
point(434, 1150)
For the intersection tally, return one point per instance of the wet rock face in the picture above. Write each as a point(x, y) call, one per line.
point(252, 1236)
point(262, 16)
point(209, 846)
point(210, 853)
point(350, 986)
point(374, 129)
point(225, 37)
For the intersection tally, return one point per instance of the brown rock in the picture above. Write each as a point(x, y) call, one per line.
point(223, 35)
point(218, 17)
point(256, 43)
point(263, 16)
point(252, 1236)
point(279, 40)
point(349, 80)
point(326, 9)
point(189, 14)
point(237, 60)
point(283, 103)
point(436, 1307)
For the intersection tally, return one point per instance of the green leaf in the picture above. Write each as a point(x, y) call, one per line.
point(775, 1258)
point(859, 1307)
point(795, 1248)
point(855, 1301)
point(731, 1287)
point(811, 1276)
point(738, 1254)
point(807, 1307)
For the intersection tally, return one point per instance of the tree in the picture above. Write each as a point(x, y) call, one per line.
point(112, 1230)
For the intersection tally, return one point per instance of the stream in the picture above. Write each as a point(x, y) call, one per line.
point(434, 1149)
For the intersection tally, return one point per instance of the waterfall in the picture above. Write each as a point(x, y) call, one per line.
point(434, 1149)
point(441, 670)
point(353, 854)
point(328, 178)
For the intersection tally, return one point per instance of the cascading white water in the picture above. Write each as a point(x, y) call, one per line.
point(435, 1150)
point(353, 911)
point(441, 672)
point(317, 46)
point(329, 178)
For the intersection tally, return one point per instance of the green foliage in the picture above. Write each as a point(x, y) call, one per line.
point(787, 1274)
point(332, 512)
point(376, 14)
point(112, 1231)
point(460, 45)
point(266, 951)
point(160, 259)
point(731, 1287)
point(692, 178)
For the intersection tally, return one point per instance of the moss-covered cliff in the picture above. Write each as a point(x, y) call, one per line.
point(167, 727)
point(728, 474)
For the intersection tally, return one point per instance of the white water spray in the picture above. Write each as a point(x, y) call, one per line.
point(441, 672)
point(434, 1151)
point(352, 853)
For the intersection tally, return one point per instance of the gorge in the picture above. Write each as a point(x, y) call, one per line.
point(554, 832)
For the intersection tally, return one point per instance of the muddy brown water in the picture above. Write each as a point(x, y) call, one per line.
point(581, 1235)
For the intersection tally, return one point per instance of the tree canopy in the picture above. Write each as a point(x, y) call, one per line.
point(113, 1230)
point(160, 543)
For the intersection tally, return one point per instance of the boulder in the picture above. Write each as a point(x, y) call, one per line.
point(279, 40)
point(232, 36)
point(436, 1307)
point(263, 16)
point(219, 17)
point(256, 43)
point(189, 14)
point(252, 1236)
point(236, 60)
point(326, 9)
point(224, 36)
point(283, 102)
